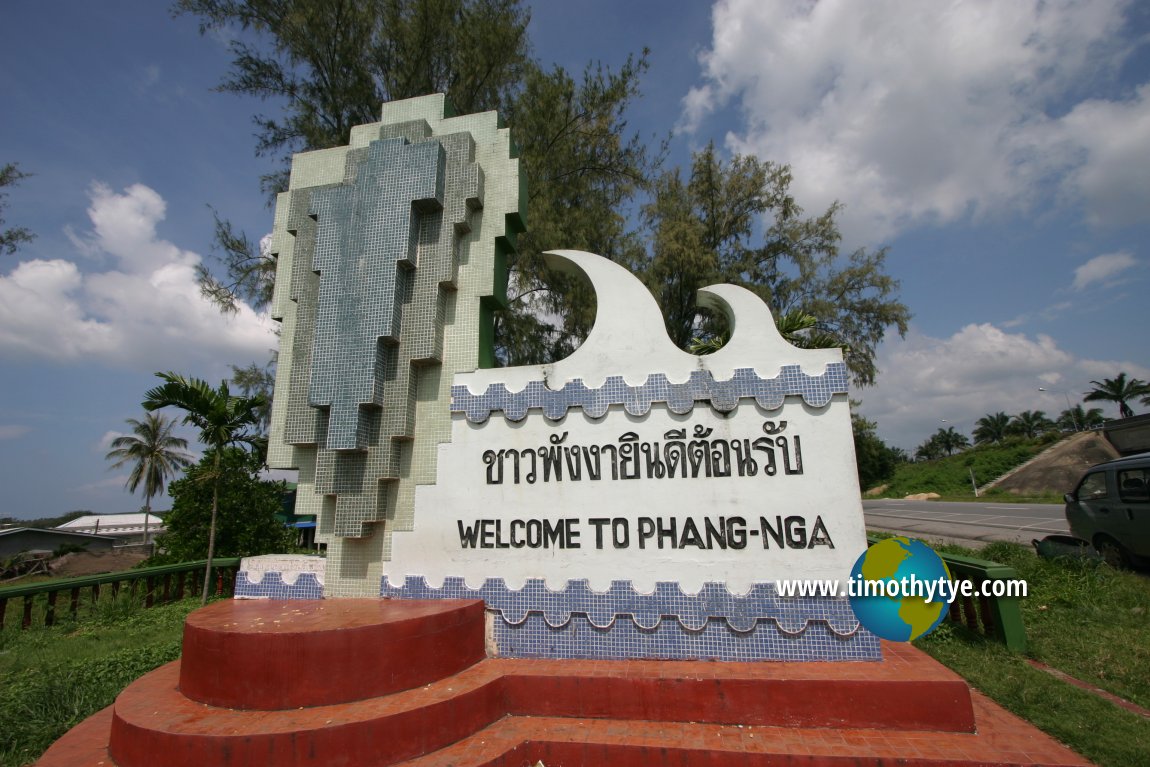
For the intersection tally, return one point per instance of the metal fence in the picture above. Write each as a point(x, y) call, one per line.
point(43, 602)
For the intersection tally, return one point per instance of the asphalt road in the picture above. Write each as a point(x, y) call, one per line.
point(966, 522)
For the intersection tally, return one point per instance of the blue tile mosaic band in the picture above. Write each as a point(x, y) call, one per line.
point(577, 622)
point(272, 586)
point(815, 390)
point(625, 639)
point(741, 611)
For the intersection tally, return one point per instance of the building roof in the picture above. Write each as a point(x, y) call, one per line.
point(55, 531)
point(112, 523)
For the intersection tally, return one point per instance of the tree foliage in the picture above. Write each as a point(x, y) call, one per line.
point(13, 237)
point(942, 443)
point(154, 453)
point(736, 222)
point(223, 420)
point(876, 461)
point(1120, 391)
point(247, 525)
point(1031, 424)
point(992, 429)
point(330, 63)
point(258, 381)
point(1079, 418)
point(583, 169)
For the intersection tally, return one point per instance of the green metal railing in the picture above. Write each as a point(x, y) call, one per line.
point(151, 585)
point(996, 617)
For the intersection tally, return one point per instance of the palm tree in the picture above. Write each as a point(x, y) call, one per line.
point(1031, 424)
point(1078, 417)
point(154, 454)
point(222, 418)
point(1119, 390)
point(992, 428)
point(950, 440)
point(929, 450)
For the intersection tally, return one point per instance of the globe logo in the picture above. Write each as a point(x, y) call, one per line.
point(900, 616)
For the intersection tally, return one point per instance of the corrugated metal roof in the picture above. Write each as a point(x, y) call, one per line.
point(112, 522)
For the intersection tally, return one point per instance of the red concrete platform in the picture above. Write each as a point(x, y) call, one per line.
point(253, 688)
point(285, 654)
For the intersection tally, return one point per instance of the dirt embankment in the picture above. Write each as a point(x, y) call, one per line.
point(1058, 469)
point(90, 563)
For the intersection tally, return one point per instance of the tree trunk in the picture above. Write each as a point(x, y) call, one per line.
point(147, 516)
point(212, 528)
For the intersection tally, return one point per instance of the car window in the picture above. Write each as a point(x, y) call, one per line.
point(1132, 485)
point(1093, 486)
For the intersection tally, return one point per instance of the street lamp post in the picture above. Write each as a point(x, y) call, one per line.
point(1069, 409)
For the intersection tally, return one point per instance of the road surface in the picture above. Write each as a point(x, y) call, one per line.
point(966, 522)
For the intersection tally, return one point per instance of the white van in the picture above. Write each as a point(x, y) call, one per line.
point(1110, 508)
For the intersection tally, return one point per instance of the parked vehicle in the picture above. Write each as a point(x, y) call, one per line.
point(1110, 508)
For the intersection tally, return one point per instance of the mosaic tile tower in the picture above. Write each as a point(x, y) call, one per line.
point(391, 261)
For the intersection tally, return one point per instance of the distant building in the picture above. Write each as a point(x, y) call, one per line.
point(126, 528)
point(20, 540)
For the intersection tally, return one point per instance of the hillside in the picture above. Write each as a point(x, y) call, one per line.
point(1021, 468)
point(1058, 469)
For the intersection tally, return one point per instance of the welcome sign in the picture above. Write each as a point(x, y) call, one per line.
point(632, 500)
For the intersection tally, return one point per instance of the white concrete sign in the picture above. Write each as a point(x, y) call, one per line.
point(633, 460)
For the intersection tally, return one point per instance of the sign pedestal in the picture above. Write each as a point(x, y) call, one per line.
point(247, 693)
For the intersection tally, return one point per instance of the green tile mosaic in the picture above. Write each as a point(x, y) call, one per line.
point(387, 250)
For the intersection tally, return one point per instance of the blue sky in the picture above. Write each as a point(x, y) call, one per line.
point(1001, 150)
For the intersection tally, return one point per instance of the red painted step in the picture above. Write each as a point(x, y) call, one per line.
point(269, 655)
point(415, 687)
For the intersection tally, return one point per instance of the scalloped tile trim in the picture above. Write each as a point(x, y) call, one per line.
point(602, 609)
point(580, 639)
point(815, 390)
point(273, 586)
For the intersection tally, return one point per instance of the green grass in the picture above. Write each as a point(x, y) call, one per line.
point(1102, 732)
point(52, 678)
point(950, 477)
point(1083, 618)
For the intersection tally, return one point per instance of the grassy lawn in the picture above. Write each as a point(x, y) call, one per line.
point(52, 678)
point(1083, 618)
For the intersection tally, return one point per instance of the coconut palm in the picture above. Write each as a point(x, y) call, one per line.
point(1119, 390)
point(1031, 424)
point(222, 418)
point(992, 428)
point(155, 455)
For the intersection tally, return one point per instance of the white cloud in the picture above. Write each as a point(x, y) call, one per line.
point(111, 483)
point(146, 312)
point(104, 444)
point(1114, 177)
point(13, 431)
point(1102, 268)
point(979, 370)
point(914, 113)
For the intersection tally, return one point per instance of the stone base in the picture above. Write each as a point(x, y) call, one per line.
point(415, 688)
